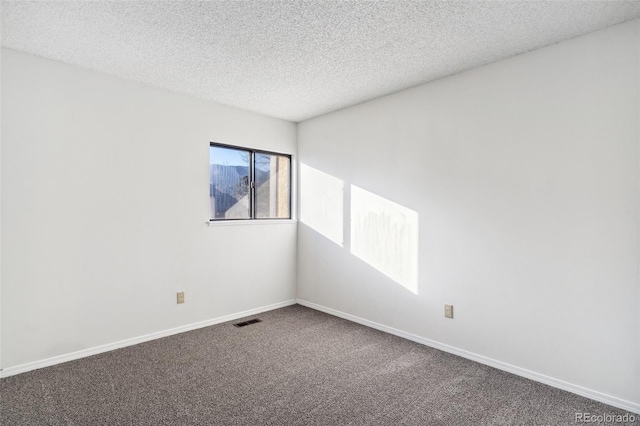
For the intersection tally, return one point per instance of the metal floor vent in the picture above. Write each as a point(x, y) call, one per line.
point(242, 324)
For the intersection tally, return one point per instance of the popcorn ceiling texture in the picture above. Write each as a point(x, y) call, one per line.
point(295, 59)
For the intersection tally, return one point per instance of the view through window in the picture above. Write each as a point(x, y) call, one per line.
point(248, 184)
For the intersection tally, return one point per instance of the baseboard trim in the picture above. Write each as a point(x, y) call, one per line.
point(23, 368)
point(556, 383)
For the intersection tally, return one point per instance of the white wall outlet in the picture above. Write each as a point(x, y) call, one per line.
point(180, 297)
point(448, 311)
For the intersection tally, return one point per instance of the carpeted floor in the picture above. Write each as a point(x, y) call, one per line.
point(296, 367)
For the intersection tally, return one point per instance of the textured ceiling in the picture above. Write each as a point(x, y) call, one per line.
point(295, 59)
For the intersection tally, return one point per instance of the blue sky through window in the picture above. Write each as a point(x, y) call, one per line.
point(228, 156)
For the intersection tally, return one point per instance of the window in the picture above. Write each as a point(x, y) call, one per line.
point(248, 184)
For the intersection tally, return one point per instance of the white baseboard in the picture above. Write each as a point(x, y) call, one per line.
point(556, 383)
point(23, 368)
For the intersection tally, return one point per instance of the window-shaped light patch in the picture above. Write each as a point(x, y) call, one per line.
point(385, 235)
point(321, 202)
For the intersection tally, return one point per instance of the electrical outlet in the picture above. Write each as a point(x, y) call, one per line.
point(181, 297)
point(448, 311)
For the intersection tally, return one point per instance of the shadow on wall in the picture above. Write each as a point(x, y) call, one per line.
point(383, 234)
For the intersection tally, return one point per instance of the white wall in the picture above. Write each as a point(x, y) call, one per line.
point(104, 204)
point(525, 177)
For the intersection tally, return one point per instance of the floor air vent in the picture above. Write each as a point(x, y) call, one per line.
point(242, 324)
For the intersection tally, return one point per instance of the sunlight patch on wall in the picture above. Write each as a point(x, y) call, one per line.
point(385, 235)
point(321, 202)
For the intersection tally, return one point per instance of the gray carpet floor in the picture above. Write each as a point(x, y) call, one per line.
point(296, 367)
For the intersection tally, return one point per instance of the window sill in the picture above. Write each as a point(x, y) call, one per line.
point(251, 222)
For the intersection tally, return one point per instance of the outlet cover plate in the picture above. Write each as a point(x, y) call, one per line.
point(448, 311)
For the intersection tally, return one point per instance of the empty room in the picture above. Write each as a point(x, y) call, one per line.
point(320, 212)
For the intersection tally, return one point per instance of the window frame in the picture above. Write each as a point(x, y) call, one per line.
point(252, 189)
